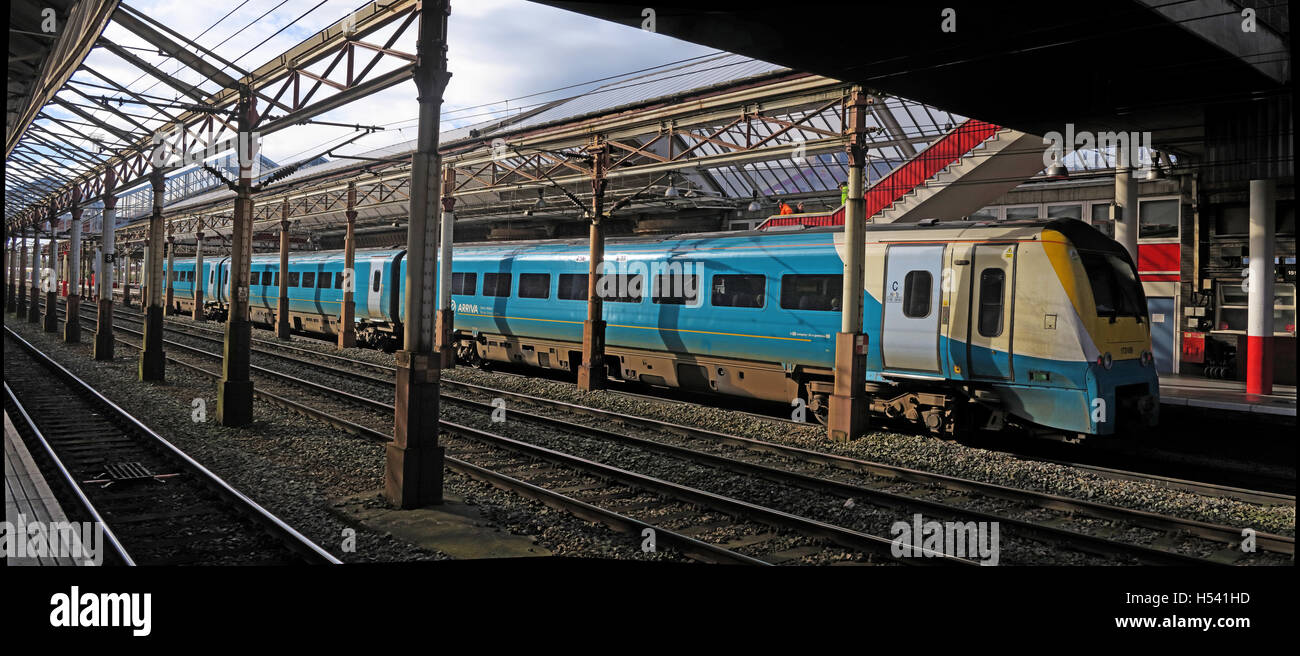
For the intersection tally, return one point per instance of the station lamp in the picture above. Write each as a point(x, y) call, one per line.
point(1057, 170)
point(671, 191)
point(754, 205)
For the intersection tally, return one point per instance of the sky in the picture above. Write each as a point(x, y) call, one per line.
point(498, 50)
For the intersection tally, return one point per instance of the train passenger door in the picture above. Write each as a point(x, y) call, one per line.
point(992, 307)
point(375, 288)
point(909, 338)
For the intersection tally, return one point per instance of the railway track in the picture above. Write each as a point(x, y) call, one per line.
point(738, 532)
point(157, 505)
point(808, 468)
point(1220, 480)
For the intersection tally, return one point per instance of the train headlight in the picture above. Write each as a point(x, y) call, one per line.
point(1105, 361)
point(1147, 358)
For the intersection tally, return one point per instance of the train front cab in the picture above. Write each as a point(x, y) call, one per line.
point(1077, 355)
point(1102, 284)
point(1010, 315)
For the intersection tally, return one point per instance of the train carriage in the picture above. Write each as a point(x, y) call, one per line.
point(1036, 323)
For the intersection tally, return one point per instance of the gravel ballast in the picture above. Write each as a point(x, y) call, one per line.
point(294, 466)
point(920, 452)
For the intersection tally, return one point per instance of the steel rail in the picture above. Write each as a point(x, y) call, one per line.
point(69, 482)
point(1267, 541)
point(288, 535)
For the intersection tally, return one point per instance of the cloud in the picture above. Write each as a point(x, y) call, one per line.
point(497, 50)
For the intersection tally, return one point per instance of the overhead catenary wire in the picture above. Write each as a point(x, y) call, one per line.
point(452, 113)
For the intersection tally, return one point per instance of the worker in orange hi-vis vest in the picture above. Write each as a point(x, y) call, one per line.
point(786, 209)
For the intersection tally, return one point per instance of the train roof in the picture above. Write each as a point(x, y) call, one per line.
point(1079, 233)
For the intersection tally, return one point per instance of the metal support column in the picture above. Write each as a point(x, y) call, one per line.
point(34, 311)
point(591, 373)
point(282, 306)
point(348, 309)
point(104, 326)
point(125, 267)
point(72, 316)
point(1259, 292)
point(146, 275)
point(847, 418)
point(171, 271)
point(22, 273)
point(413, 460)
point(153, 362)
point(11, 271)
point(199, 278)
point(235, 390)
point(446, 312)
point(1126, 206)
point(50, 321)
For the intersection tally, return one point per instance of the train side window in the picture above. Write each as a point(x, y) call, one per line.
point(992, 284)
point(572, 287)
point(293, 278)
point(812, 292)
point(622, 288)
point(496, 284)
point(309, 279)
point(738, 291)
point(225, 277)
point(338, 281)
point(676, 289)
point(534, 285)
point(916, 294)
point(267, 278)
point(464, 284)
point(326, 280)
point(212, 275)
point(276, 281)
point(374, 283)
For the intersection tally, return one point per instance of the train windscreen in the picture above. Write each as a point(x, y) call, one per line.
point(1115, 286)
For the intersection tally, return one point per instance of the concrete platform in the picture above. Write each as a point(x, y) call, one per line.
point(27, 494)
point(1226, 395)
point(454, 528)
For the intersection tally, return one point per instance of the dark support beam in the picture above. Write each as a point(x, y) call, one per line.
point(282, 307)
point(347, 311)
point(142, 274)
point(138, 27)
point(72, 317)
point(11, 270)
point(445, 319)
point(200, 279)
point(21, 308)
point(48, 283)
point(124, 261)
point(157, 74)
point(153, 362)
point(591, 373)
point(414, 460)
point(171, 271)
point(235, 390)
point(125, 136)
point(848, 406)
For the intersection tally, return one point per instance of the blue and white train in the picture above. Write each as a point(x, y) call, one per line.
point(1040, 324)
